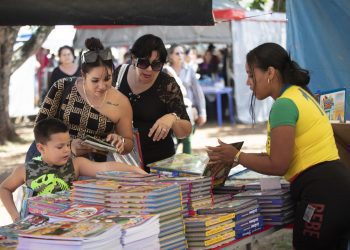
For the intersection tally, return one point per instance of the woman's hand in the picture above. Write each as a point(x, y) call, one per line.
point(117, 141)
point(201, 120)
point(224, 153)
point(161, 127)
point(79, 149)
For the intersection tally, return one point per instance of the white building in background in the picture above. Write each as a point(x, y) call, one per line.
point(23, 82)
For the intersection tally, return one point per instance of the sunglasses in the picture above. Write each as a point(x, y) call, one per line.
point(143, 63)
point(92, 55)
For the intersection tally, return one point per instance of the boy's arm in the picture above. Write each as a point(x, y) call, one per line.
point(8, 186)
point(89, 168)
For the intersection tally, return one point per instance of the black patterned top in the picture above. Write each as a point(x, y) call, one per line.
point(74, 111)
point(164, 97)
point(44, 179)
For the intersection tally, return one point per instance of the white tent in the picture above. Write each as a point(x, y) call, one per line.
point(243, 30)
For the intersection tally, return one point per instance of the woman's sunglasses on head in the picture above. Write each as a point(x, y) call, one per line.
point(92, 55)
point(143, 63)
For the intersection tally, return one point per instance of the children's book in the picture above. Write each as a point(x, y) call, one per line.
point(194, 165)
point(31, 221)
point(233, 206)
point(77, 212)
point(333, 102)
point(208, 220)
point(125, 176)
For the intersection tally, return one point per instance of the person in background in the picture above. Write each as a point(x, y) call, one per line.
point(89, 105)
point(156, 99)
point(191, 58)
point(55, 170)
point(66, 68)
point(300, 146)
point(209, 68)
point(194, 96)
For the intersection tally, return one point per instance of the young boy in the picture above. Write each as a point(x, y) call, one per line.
point(55, 170)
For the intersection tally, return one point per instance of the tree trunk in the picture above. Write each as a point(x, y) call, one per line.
point(8, 37)
point(11, 60)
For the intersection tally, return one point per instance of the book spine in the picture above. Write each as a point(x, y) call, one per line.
point(219, 219)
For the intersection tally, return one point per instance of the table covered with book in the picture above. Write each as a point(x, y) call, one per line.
point(166, 209)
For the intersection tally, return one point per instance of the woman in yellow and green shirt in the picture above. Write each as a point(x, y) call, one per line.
point(300, 147)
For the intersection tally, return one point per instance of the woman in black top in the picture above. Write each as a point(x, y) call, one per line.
point(66, 68)
point(156, 99)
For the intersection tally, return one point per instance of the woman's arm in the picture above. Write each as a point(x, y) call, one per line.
point(277, 163)
point(123, 137)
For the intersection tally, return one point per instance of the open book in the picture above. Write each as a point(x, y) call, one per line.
point(133, 158)
point(193, 165)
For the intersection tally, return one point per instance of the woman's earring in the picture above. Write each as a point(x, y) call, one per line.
point(268, 81)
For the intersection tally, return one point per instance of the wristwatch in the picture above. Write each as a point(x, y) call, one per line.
point(236, 158)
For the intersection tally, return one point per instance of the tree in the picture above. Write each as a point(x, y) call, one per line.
point(10, 60)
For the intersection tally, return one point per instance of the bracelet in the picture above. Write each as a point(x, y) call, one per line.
point(174, 114)
point(236, 158)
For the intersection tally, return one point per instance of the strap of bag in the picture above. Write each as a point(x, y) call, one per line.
point(121, 74)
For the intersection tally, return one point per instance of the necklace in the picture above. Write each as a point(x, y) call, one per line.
point(87, 100)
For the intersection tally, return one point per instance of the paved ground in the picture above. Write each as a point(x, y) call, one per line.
point(254, 141)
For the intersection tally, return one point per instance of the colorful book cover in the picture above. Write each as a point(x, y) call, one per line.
point(185, 163)
point(333, 102)
point(72, 230)
point(78, 212)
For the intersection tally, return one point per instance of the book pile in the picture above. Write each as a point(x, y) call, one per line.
point(276, 205)
point(126, 176)
point(50, 203)
point(196, 192)
point(93, 233)
point(194, 165)
point(247, 215)
point(138, 231)
point(209, 231)
point(9, 233)
point(93, 191)
point(159, 198)
point(180, 165)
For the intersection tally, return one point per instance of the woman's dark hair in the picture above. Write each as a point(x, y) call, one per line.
point(273, 55)
point(94, 44)
point(66, 47)
point(144, 45)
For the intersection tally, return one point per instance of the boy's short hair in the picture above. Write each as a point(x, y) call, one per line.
point(46, 127)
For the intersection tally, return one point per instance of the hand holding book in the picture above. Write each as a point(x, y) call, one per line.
point(223, 153)
point(117, 141)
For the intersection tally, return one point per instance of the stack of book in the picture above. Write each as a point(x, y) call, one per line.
point(194, 165)
point(126, 176)
point(152, 198)
point(140, 232)
point(209, 231)
point(180, 165)
point(93, 233)
point(276, 205)
point(196, 192)
point(93, 191)
point(247, 215)
point(50, 203)
point(9, 233)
